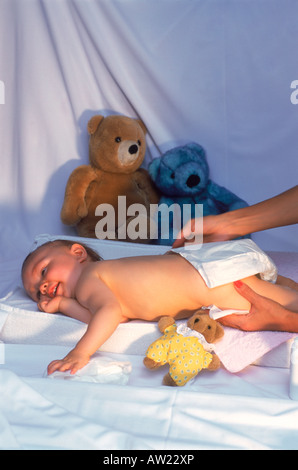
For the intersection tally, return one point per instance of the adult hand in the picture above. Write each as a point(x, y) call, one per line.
point(278, 211)
point(264, 314)
point(213, 227)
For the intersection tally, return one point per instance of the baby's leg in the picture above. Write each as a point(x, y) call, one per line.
point(226, 296)
point(285, 281)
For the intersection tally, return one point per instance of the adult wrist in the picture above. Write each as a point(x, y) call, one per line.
point(288, 321)
point(230, 224)
point(239, 223)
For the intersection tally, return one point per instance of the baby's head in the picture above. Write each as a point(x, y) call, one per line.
point(55, 267)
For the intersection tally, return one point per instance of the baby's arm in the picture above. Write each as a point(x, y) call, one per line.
point(67, 306)
point(106, 316)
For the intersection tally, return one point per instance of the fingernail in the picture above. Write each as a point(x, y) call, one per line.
point(238, 283)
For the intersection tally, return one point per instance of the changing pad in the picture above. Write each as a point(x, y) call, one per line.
point(22, 323)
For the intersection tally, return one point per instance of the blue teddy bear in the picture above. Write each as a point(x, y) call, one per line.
point(182, 176)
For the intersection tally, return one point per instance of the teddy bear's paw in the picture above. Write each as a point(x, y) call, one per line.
point(165, 322)
point(150, 364)
point(71, 214)
point(215, 363)
point(82, 210)
point(69, 217)
point(167, 380)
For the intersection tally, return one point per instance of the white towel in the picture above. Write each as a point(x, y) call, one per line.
point(238, 349)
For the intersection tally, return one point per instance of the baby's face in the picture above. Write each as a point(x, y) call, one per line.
point(52, 271)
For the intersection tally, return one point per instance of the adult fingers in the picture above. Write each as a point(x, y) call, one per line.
point(246, 292)
point(181, 237)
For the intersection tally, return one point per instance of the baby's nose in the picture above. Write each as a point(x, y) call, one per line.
point(43, 288)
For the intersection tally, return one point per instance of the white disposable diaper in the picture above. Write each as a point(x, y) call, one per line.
point(224, 262)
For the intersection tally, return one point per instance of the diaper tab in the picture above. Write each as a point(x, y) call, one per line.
point(215, 313)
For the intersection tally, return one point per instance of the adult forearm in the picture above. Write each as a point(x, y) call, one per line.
point(278, 211)
point(288, 321)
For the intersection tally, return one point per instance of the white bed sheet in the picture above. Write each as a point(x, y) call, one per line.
point(216, 72)
point(249, 410)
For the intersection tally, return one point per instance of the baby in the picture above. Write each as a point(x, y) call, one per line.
point(68, 277)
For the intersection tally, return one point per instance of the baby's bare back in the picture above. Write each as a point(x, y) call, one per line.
point(148, 287)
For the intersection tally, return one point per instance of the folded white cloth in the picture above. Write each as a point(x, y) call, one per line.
point(99, 370)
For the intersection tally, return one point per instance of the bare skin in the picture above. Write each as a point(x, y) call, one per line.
point(278, 211)
point(264, 313)
point(107, 293)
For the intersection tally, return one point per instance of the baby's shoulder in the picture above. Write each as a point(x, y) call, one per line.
point(92, 279)
point(102, 270)
point(94, 269)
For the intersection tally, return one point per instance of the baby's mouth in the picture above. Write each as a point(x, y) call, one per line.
point(53, 292)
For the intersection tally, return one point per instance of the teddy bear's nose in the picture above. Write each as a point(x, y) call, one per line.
point(133, 149)
point(193, 180)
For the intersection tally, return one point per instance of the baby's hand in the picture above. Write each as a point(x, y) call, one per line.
point(50, 305)
point(72, 362)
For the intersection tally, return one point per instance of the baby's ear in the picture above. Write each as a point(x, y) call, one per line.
point(79, 252)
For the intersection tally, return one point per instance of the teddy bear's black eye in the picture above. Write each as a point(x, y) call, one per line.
point(173, 175)
point(196, 320)
point(139, 143)
point(209, 327)
point(118, 139)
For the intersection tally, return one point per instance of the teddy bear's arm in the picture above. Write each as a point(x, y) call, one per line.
point(74, 207)
point(143, 180)
point(165, 322)
point(151, 364)
point(225, 198)
point(215, 363)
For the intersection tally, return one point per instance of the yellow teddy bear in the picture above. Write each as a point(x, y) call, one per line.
point(185, 354)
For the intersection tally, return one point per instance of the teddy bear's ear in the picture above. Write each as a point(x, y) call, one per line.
point(94, 123)
point(144, 128)
point(219, 331)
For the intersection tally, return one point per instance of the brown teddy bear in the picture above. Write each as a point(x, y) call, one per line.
point(116, 151)
point(185, 354)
